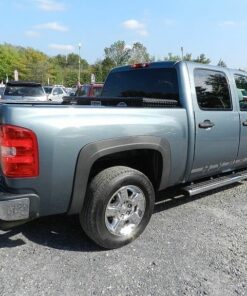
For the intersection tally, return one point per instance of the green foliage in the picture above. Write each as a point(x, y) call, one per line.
point(118, 53)
point(34, 65)
point(221, 63)
point(202, 59)
point(188, 57)
point(139, 54)
point(172, 57)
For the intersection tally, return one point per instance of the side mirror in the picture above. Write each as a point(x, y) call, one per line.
point(55, 93)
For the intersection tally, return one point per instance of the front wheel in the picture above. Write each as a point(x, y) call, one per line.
point(118, 206)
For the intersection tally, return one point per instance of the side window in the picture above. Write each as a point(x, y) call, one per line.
point(55, 91)
point(212, 90)
point(241, 84)
point(60, 91)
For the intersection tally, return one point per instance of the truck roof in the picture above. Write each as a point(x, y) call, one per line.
point(170, 64)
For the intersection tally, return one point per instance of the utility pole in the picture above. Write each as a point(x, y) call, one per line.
point(79, 70)
point(182, 52)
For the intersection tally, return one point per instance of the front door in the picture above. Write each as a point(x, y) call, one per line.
point(216, 124)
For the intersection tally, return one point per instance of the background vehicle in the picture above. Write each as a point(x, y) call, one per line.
point(55, 93)
point(89, 90)
point(24, 90)
point(155, 126)
point(1, 91)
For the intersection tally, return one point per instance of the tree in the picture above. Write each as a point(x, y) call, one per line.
point(97, 70)
point(10, 60)
point(37, 65)
point(70, 77)
point(138, 54)
point(172, 57)
point(221, 63)
point(107, 65)
point(202, 59)
point(188, 57)
point(118, 53)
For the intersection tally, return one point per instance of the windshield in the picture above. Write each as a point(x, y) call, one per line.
point(27, 91)
point(48, 90)
point(159, 83)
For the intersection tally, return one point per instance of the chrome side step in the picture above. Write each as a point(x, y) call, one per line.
point(197, 188)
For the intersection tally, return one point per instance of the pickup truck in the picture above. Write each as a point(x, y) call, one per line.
point(89, 90)
point(155, 126)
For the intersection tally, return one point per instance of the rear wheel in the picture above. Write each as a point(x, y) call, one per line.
point(118, 206)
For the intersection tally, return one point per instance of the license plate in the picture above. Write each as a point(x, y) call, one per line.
point(16, 209)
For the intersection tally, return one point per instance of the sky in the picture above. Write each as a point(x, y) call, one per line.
point(217, 28)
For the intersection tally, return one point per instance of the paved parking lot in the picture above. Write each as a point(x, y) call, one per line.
point(191, 247)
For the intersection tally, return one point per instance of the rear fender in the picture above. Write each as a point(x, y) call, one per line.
point(93, 151)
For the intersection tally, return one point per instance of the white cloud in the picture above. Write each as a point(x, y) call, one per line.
point(32, 34)
point(50, 5)
point(62, 47)
point(54, 26)
point(138, 27)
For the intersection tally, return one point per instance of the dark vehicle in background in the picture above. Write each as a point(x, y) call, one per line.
point(24, 90)
point(89, 90)
point(55, 93)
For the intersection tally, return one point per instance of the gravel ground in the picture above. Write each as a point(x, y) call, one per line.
point(191, 247)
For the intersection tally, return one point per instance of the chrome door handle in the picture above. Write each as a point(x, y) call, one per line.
point(207, 124)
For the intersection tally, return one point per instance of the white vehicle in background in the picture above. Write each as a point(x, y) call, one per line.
point(55, 92)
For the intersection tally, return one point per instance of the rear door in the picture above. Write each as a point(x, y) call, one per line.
point(241, 88)
point(216, 123)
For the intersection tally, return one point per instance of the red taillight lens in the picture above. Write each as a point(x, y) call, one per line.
point(18, 152)
point(141, 65)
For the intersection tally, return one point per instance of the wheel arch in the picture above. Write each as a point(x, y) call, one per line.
point(93, 152)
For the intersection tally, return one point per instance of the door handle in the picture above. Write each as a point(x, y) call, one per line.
point(245, 123)
point(207, 124)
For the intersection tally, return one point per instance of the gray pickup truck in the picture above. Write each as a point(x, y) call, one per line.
point(155, 126)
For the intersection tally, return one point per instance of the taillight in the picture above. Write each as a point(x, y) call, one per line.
point(18, 152)
point(140, 65)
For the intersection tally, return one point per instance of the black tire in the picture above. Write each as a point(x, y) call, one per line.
point(99, 193)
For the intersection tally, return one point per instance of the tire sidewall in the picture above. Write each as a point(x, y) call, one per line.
point(130, 178)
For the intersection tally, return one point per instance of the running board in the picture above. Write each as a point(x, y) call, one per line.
point(197, 188)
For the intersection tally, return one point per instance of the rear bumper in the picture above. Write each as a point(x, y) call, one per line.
point(18, 207)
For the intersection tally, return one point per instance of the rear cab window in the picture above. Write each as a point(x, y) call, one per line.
point(155, 83)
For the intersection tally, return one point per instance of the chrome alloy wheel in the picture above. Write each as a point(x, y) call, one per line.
point(125, 210)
